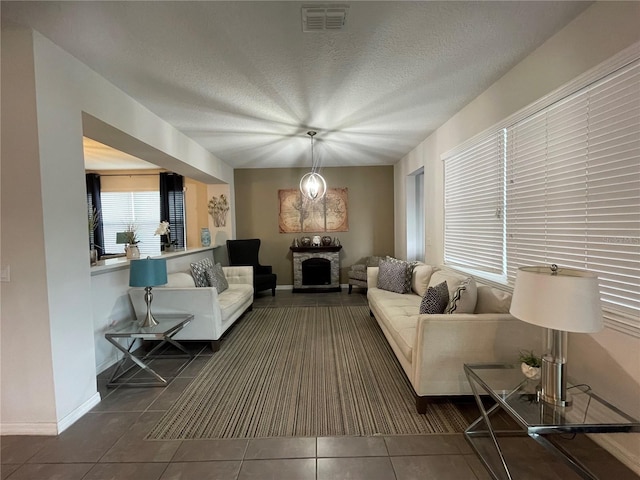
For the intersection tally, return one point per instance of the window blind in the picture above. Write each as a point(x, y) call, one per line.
point(142, 209)
point(573, 189)
point(474, 206)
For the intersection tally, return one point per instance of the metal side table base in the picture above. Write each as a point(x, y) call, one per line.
point(169, 326)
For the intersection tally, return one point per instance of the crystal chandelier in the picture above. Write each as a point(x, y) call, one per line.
point(312, 185)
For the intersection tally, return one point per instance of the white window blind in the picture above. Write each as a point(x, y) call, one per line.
point(474, 206)
point(142, 209)
point(573, 189)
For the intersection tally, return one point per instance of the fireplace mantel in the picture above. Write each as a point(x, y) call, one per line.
point(330, 253)
point(330, 248)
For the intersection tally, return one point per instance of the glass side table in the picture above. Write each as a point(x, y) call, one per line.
point(168, 326)
point(517, 396)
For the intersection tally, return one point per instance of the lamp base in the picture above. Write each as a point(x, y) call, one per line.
point(148, 320)
point(553, 385)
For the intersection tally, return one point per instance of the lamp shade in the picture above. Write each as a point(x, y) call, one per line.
point(148, 272)
point(563, 299)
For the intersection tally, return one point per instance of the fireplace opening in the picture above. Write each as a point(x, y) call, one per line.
point(316, 271)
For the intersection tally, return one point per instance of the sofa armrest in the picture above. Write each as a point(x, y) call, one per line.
point(444, 343)
point(201, 302)
point(372, 277)
point(239, 275)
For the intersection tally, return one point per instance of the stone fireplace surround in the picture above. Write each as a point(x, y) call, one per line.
point(300, 254)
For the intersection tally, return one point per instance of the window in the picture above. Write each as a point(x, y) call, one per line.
point(573, 189)
point(474, 207)
point(139, 208)
point(415, 216)
point(564, 185)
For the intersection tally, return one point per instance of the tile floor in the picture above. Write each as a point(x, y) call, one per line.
point(108, 442)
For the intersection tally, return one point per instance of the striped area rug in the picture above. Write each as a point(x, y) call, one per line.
point(303, 371)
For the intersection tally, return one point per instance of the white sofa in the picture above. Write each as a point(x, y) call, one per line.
point(213, 313)
point(432, 349)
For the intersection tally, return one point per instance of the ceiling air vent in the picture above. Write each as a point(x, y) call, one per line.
point(321, 18)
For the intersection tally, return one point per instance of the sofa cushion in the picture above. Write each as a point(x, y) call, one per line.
point(199, 272)
point(216, 278)
point(464, 298)
point(492, 300)
point(453, 282)
point(435, 300)
point(392, 276)
point(180, 280)
point(420, 278)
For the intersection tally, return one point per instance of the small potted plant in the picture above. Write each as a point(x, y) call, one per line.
point(94, 218)
point(530, 364)
point(132, 240)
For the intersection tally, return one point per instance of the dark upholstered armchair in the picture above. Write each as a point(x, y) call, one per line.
point(245, 252)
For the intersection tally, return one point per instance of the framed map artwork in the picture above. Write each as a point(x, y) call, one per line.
point(328, 214)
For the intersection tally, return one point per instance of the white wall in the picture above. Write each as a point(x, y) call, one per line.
point(48, 373)
point(608, 361)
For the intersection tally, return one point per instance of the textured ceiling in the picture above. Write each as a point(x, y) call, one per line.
point(244, 81)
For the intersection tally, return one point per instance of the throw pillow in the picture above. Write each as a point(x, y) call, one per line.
point(409, 266)
point(420, 278)
point(464, 297)
point(435, 299)
point(216, 278)
point(199, 272)
point(392, 276)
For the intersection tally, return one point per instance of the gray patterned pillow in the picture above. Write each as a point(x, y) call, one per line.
point(216, 278)
point(392, 276)
point(409, 266)
point(435, 299)
point(199, 272)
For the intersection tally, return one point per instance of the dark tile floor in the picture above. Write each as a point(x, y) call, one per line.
point(108, 442)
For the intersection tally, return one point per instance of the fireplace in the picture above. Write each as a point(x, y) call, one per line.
point(316, 269)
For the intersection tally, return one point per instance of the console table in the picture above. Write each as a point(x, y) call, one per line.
point(517, 396)
point(168, 326)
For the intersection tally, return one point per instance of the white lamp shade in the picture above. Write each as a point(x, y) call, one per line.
point(568, 299)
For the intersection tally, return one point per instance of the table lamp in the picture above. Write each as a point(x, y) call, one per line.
point(561, 300)
point(148, 273)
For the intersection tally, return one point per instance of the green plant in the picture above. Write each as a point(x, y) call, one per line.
point(530, 358)
point(131, 234)
point(94, 217)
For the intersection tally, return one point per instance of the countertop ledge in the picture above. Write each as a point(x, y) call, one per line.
point(121, 263)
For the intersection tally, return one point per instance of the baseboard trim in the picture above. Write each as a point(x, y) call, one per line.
point(28, 429)
point(74, 416)
point(624, 453)
point(50, 428)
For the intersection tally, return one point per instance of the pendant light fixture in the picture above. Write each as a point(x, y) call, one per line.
point(312, 185)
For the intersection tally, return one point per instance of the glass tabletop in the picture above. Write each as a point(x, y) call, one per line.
point(517, 394)
point(167, 324)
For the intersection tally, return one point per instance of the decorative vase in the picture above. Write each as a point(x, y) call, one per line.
point(326, 241)
point(316, 241)
point(530, 372)
point(205, 237)
point(305, 241)
point(132, 252)
point(93, 254)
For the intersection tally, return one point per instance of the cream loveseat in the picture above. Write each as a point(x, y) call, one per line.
point(432, 348)
point(213, 313)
